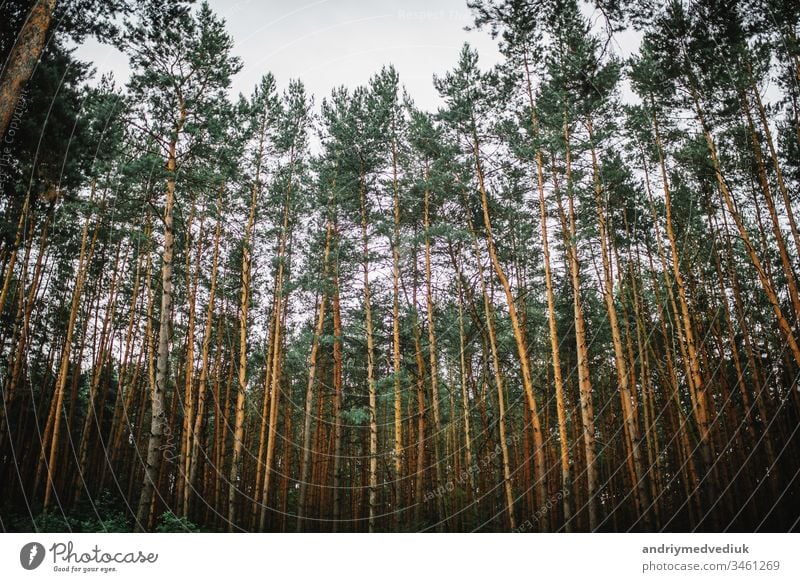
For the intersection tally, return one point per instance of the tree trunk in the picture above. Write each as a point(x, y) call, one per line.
point(539, 468)
point(432, 347)
point(396, 361)
point(281, 305)
point(244, 306)
point(498, 377)
point(157, 413)
point(23, 59)
point(373, 405)
point(584, 381)
point(626, 383)
point(193, 438)
point(337, 387)
point(61, 382)
point(766, 283)
point(312, 372)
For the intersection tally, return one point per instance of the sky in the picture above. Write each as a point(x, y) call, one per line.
point(327, 43)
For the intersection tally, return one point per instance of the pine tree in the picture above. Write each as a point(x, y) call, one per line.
point(177, 113)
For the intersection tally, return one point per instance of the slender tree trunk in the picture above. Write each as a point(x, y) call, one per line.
point(244, 306)
point(312, 373)
point(762, 114)
point(554, 352)
point(12, 260)
point(337, 387)
point(58, 397)
point(396, 361)
point(419, 483)
point(125, 390)
point(498, 377)
point(568, 227)
point(91, 420)
point(539, 469)
point(434, 371)
point(188, 387)
point(157, 412)
point(554, 342)
point(373, 406)
point(463, 372)
point(281, 305)
point(696, 383)
point(766, 283)
point(625, 381)
point(763, 179)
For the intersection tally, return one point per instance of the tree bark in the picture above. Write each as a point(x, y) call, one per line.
point(23, 59)
point(312, 373)
point(157, 412)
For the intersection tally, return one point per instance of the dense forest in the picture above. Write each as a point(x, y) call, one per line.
point(567, 300)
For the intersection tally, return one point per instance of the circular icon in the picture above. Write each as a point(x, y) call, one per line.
point(31, 555)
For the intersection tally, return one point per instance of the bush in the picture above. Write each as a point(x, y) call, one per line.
point(171, 523)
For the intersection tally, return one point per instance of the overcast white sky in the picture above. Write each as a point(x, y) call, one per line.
point(327, 43)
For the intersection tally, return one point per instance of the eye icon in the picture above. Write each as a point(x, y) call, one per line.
point(31, 555)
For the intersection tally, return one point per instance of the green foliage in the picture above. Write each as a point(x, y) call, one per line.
point(168, 522)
